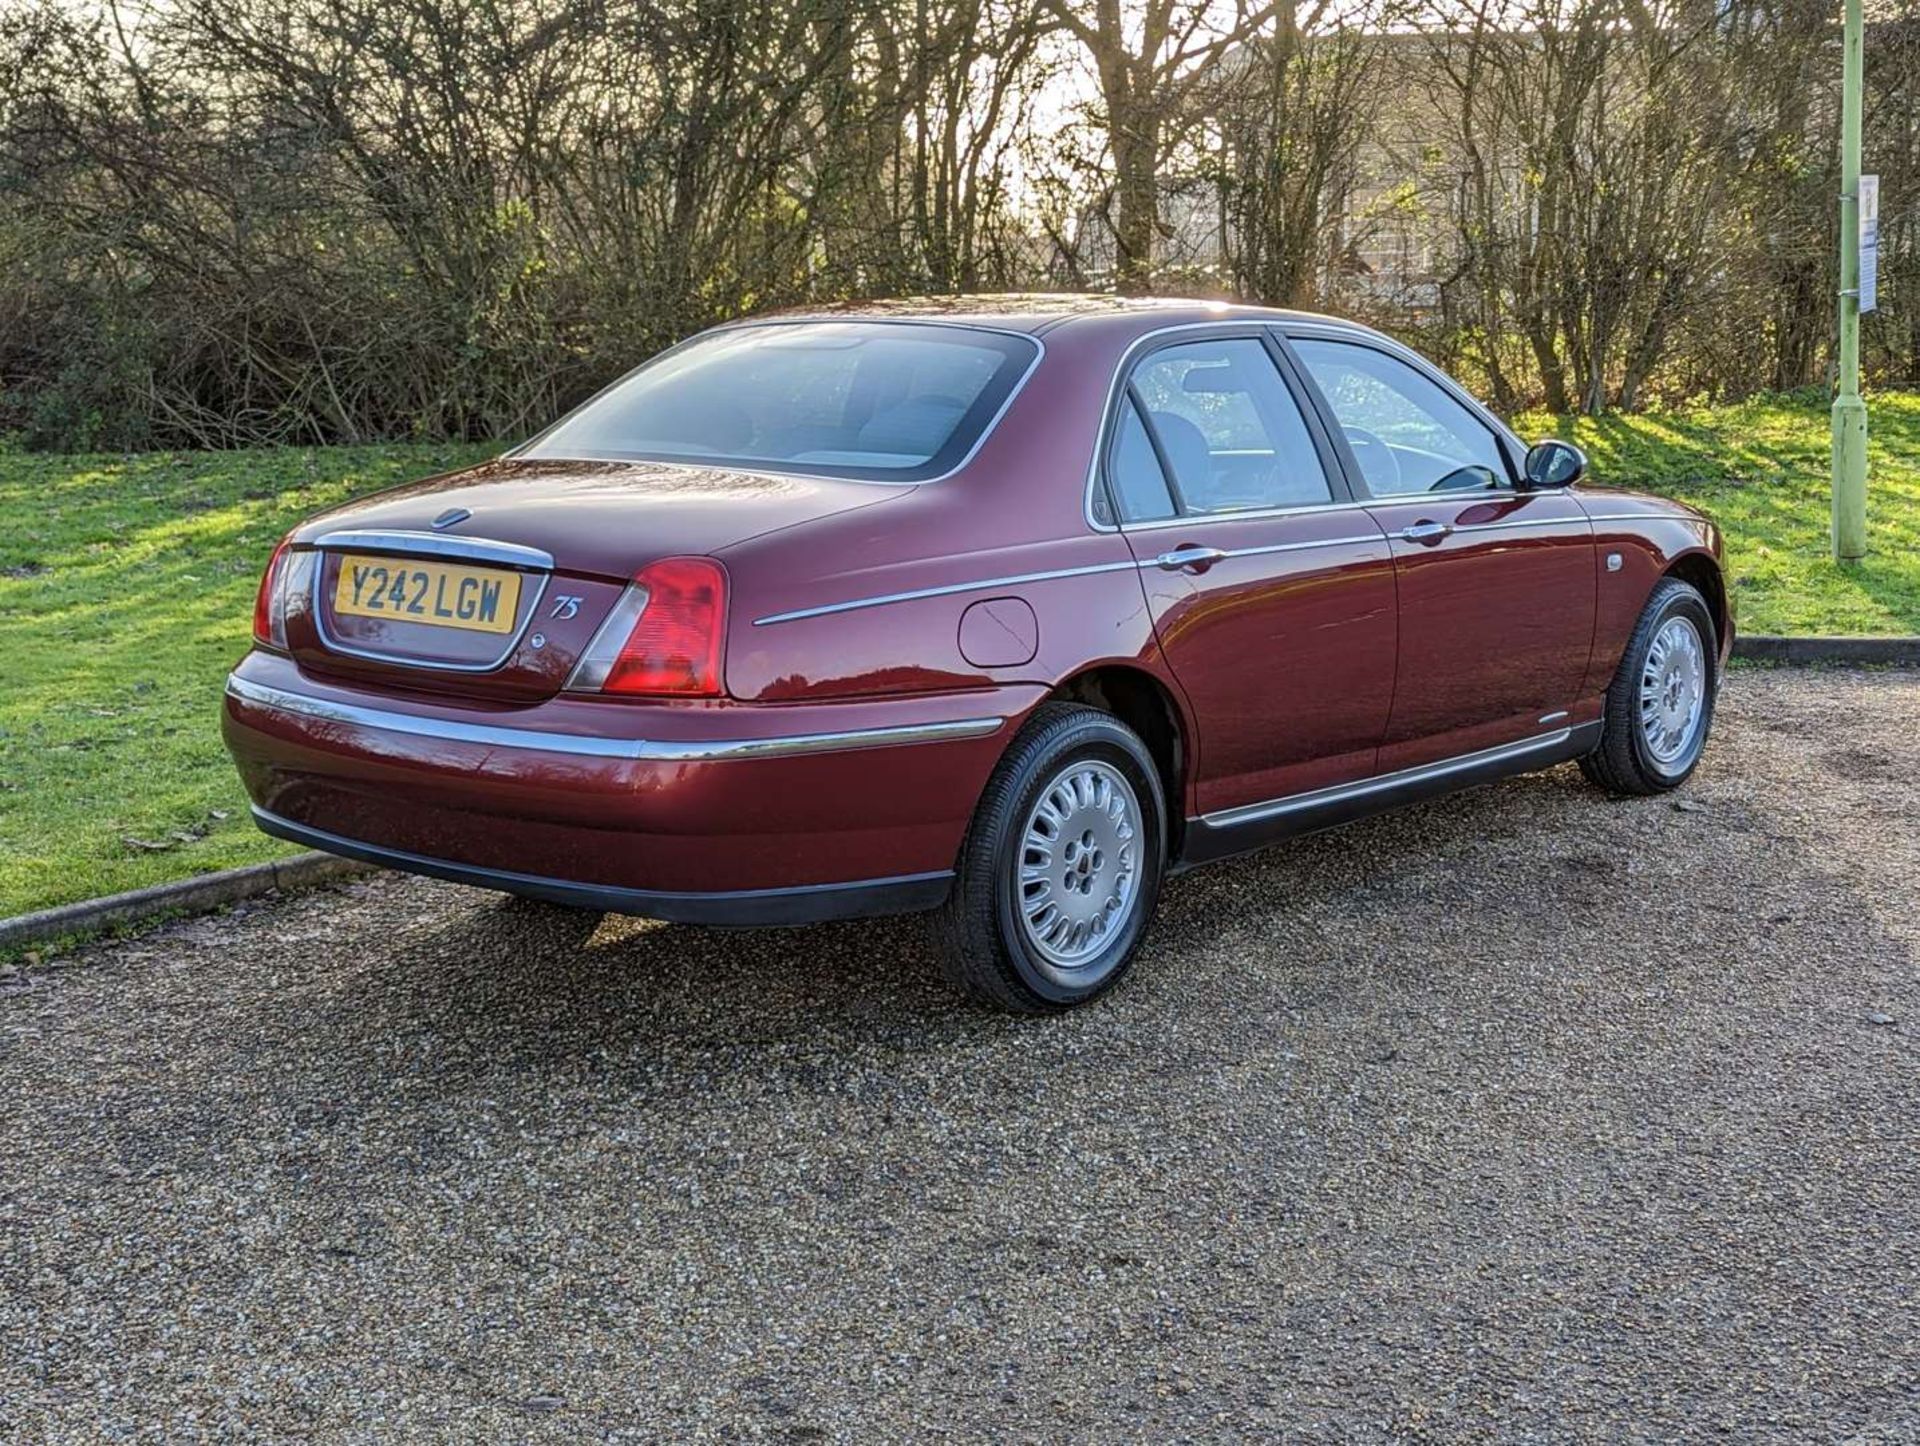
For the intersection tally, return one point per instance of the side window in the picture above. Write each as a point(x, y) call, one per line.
point(1227, 428)
point(1139, 484)
point(1407, 433)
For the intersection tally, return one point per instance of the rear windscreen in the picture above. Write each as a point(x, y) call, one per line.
point(880, 401)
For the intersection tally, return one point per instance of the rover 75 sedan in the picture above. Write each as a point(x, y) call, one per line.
point(1002, 608)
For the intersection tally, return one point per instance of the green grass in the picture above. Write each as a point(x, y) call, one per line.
point(126, 592)
point(1760, 467)
point(126, 588)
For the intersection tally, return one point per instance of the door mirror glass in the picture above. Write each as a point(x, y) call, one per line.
point(1554, 463)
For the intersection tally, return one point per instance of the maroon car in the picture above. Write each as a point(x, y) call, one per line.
point(1002, 608)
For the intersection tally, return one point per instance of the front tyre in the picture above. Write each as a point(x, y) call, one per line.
point(1659, 706)
point(1061, 867)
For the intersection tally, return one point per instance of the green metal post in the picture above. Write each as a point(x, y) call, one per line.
point(1849, 411)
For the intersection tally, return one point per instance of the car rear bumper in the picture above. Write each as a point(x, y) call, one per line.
point(713, 814)
point(802, 904)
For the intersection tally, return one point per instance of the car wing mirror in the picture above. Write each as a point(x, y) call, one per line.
point(1554, 463)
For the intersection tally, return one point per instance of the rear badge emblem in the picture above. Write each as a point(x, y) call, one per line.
point(451, 516)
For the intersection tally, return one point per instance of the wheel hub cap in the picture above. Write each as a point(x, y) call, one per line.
point(1673, 690)
point(1079, 863)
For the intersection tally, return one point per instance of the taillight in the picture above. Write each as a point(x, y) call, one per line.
point(663, 637)
point(269, 606)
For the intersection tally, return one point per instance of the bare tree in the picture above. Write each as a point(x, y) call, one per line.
point(1295, 112)
point(233, 221)
point(1149, 61)
point(1597, 145)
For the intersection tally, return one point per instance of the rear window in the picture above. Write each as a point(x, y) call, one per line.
point(879, 401)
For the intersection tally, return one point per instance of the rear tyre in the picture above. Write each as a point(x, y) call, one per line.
point(1061, 867)
point(1659, 706)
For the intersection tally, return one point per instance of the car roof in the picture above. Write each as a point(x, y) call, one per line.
point(1037, 312)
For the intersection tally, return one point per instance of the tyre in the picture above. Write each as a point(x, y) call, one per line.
point(1659, 706)
point(1061, 867)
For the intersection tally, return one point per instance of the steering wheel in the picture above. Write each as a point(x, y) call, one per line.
point(1471, 478)
point(1377, 462)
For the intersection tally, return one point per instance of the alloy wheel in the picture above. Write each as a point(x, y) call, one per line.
point(1673, 693)
point(1078, 872)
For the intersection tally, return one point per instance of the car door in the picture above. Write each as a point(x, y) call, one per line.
point(1496, 584)
point(1272, 593)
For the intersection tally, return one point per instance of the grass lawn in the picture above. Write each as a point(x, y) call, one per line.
point(1761, 468)
point(126, 592)
point(126, 589)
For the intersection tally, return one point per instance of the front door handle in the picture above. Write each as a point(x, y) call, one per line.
point(1193, 559)
point(1427, 533)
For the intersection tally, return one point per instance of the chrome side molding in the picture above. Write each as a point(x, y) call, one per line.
point(1170, 561)
point(636, 750)
point(1387, 782)
point(1598, 517)
point(1181, 558)
point(1017, 579)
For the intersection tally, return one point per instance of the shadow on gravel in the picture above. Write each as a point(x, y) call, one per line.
point(1540, 870)
point(1519, 1109)
point(579, 983)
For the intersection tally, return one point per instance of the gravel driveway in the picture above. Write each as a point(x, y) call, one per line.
point(1523, 1115)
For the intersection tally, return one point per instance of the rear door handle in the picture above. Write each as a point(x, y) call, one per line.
point(1192, 559)
point(1427, 533)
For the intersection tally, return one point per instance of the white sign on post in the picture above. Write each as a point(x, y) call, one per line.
point(1869, 242)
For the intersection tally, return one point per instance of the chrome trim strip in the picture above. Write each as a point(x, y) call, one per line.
point(436, 544)
point(1517, 522)
point(1311, 509)
point(1598, 517)
point(1147, 563)
point(1551, 717)
point(1340, 793)
point(1143, 564)
point(1251, 514)
point(1021, 578)
point(898, 736)
point(641, 750)
point(945, 590)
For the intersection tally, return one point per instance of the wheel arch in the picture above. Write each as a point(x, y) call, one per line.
point(1702, 570)
point(1147, 705)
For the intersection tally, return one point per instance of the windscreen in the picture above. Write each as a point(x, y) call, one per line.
point(878, 401)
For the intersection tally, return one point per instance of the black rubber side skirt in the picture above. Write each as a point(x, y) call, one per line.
point(1221, 835)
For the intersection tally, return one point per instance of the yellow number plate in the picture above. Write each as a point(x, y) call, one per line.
point(439, 594)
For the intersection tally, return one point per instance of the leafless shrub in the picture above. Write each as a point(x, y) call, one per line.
point(235, 221)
